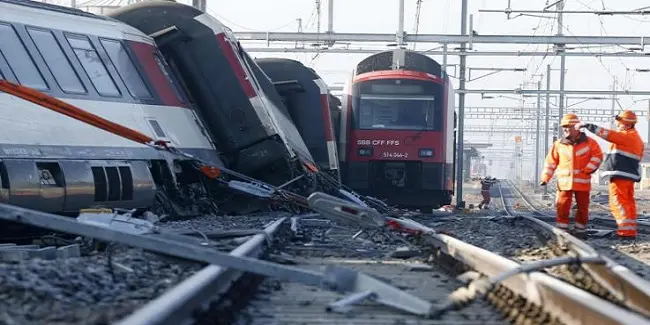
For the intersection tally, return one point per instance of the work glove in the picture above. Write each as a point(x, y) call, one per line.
point(588, 126)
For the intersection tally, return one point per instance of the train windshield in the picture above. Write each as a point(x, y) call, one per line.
point(391, 104)
point(396, 112)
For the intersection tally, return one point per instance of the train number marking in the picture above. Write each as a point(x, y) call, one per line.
point(378, 142)
point(395, 155)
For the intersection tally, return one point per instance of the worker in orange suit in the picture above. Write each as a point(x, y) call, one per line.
point(622, 167)
point(572, 159)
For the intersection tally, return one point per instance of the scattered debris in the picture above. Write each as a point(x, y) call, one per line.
point(420, 268)
point(405, 252)
point(14, 253)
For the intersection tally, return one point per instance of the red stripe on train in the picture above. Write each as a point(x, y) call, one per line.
point(397, 74)
point(235, 64)
point(145, 54)
point(327, 117)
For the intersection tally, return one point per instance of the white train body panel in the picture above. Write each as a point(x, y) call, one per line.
point(22, 122)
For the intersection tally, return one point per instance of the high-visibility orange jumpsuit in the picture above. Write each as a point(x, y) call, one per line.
point(622, 167)
point(573, 164)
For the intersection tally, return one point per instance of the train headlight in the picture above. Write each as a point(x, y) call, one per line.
point(426, 152)
point(365, 152)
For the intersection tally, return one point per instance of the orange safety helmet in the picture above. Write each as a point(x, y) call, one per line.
point(627, 117)
point(569, 120)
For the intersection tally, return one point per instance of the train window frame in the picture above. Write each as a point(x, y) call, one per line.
point(27, 58)
point(180, 91)
point(431, 126)
point(93, 48)
point(70, 67)
point(120, 71)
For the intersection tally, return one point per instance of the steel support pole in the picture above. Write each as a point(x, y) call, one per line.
point(613, 112)
point(561, 47)
point(330, 16)
point(200, 4)
point(547, 114)
point(461, 109)
point(444, 58)
point(400, 25)
point(537, 115)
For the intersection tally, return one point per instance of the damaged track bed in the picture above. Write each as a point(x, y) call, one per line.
point(525, 299)
point(91, 282)
point(609, 280)
point(634, 255)
point(524, 295)
point(318, 243)
point(599, 211)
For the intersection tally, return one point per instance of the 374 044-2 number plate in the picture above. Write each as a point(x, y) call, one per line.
point(395, 155)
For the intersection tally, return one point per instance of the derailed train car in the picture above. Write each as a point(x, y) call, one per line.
point(55, 163)
point(236, 101)
point(308, 101)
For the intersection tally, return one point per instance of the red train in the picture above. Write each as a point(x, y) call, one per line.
point(397, 136)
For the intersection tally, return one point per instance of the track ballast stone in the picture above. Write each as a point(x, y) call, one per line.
point(86, 290)
point(103, 287)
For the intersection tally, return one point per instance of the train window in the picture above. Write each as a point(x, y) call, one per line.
point(125, 67)
point(19, 60)
point(167, 72)
point(396, 112)
point(93, 65)
point(57, 61)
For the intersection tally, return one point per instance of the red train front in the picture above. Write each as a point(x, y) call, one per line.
point(397, 130)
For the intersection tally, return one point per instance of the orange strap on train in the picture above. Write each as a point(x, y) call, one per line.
point(64, 108)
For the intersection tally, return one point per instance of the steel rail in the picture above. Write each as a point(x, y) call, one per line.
point(632, 290)
point(568, 303)
point(643, 225)
point(179, 304)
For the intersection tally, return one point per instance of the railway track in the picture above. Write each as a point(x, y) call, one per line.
point(634, 255)
point(615, 281)
point(322, 245)
point(429, 274)
point(405, 273)
point(101, 286)
point(599, 210)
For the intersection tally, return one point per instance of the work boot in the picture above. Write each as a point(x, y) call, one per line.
point(580, 234)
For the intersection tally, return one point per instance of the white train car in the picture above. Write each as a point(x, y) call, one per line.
point(54, 163)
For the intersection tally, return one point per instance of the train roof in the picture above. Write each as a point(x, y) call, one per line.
point(287, 74)
point(71, 20)
point(399, 59)
point(51, 7)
